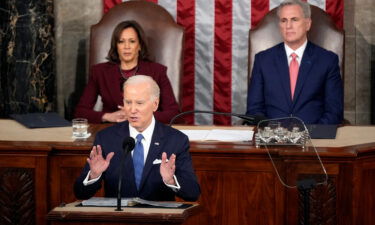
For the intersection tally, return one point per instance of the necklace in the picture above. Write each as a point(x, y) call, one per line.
point(126, 74)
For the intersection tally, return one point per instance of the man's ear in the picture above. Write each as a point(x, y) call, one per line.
point(308, 24)
point(156, 104)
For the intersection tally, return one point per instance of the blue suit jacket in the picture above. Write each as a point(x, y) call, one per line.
point(152, 187)
point(318, 97)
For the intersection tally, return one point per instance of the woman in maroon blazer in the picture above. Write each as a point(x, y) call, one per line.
point(127, 57)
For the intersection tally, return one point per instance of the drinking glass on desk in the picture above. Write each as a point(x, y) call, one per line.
point(80, 126)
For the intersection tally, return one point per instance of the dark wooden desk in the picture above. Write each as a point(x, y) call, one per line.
point(71, 215)
point(238, 182)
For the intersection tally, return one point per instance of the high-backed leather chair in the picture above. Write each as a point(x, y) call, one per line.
point(323, 32)
point(165, 38)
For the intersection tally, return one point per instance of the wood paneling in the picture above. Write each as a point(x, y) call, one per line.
point(238, 181)
point(23, 181)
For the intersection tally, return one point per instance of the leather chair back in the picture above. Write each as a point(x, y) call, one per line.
point(165, 38)
point(323, 32)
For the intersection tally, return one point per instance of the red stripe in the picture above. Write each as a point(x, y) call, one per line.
point(109, 4)
point(186, 18)
point(335, 8)
point(154, 1)
point(259, 8)
point(223, 60)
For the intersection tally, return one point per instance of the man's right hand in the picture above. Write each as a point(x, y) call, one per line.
point(97, 163)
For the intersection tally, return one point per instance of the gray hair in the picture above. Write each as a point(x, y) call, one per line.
point(305, 6)
point(138, 79)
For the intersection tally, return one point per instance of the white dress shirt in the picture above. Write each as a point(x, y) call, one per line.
point(299, 52)
point(146, 142)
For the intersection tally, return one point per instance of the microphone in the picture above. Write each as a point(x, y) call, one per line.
point(127, 146)
point(249, 119)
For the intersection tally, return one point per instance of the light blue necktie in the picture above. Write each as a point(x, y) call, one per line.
point(138, 160)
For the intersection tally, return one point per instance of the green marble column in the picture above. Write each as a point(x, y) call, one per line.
point(27, 45)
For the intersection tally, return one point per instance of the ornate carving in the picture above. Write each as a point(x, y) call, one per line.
point(17, 200)
point(322, 200)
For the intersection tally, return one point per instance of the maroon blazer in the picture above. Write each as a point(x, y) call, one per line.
point(105, 80)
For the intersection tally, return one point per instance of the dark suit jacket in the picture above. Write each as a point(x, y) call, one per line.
point(105, 80)
point(152, 187)
point(318, 97)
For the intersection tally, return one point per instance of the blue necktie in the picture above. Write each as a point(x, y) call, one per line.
point(138, 160)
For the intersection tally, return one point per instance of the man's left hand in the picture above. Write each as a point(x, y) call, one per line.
point(167, 168)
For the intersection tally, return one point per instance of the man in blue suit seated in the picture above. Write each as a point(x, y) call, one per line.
point(296, 78)
point(147, 172)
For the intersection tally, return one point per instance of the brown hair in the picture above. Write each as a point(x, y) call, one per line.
point(112, 53)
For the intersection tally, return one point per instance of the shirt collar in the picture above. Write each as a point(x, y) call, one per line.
point(147, 133)
point(299, 51)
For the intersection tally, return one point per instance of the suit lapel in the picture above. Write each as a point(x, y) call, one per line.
point(304, 70)
point(153, 152)
point(283, 68)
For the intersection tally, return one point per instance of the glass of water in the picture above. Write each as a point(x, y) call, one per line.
point(80, 126)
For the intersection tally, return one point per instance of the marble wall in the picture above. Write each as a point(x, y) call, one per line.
point(73, 19)
point(27, 62)
point(72, 32)
point(359, 25)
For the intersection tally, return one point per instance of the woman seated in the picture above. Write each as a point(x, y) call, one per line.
point(128, 56)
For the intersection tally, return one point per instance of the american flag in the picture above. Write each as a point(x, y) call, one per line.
point(216, 50)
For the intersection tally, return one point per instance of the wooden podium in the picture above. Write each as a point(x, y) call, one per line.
point(71, 214)
point(38, 168)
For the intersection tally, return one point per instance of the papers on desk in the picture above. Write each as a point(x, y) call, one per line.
point(219, 135)
point(112, 202)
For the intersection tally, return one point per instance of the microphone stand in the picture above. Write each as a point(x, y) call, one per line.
point(251, 119)
point(119, 183)
point(127, 145)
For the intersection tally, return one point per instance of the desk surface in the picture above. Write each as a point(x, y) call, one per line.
point(13, 131)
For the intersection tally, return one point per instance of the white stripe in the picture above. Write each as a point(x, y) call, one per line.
point(240, 32)
point(204, 51)
point(274, 4)
point(319, 3)
point(170, 6)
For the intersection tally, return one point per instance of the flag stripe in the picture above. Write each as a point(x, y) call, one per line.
point(318, 3)
point(335, 9)
point(240, 46)
point(170, 6)
point(258, 10)
point(107, 4)
point(274, 3)
point(223, 60)
point(204, 39)
point(186, 18)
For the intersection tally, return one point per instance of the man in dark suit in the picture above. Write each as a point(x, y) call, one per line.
point(296, 78)
point(147, 173)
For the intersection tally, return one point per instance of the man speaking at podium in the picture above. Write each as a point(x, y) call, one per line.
point(159, 168)
point(296, 77)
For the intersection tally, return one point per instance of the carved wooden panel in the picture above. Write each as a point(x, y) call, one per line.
point(322, 207)
point(17, 201)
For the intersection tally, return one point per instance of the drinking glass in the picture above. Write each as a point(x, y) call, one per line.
point(80, 126)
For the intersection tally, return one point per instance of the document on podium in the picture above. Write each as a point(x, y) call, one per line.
point(229, 135)
point(112, 202)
